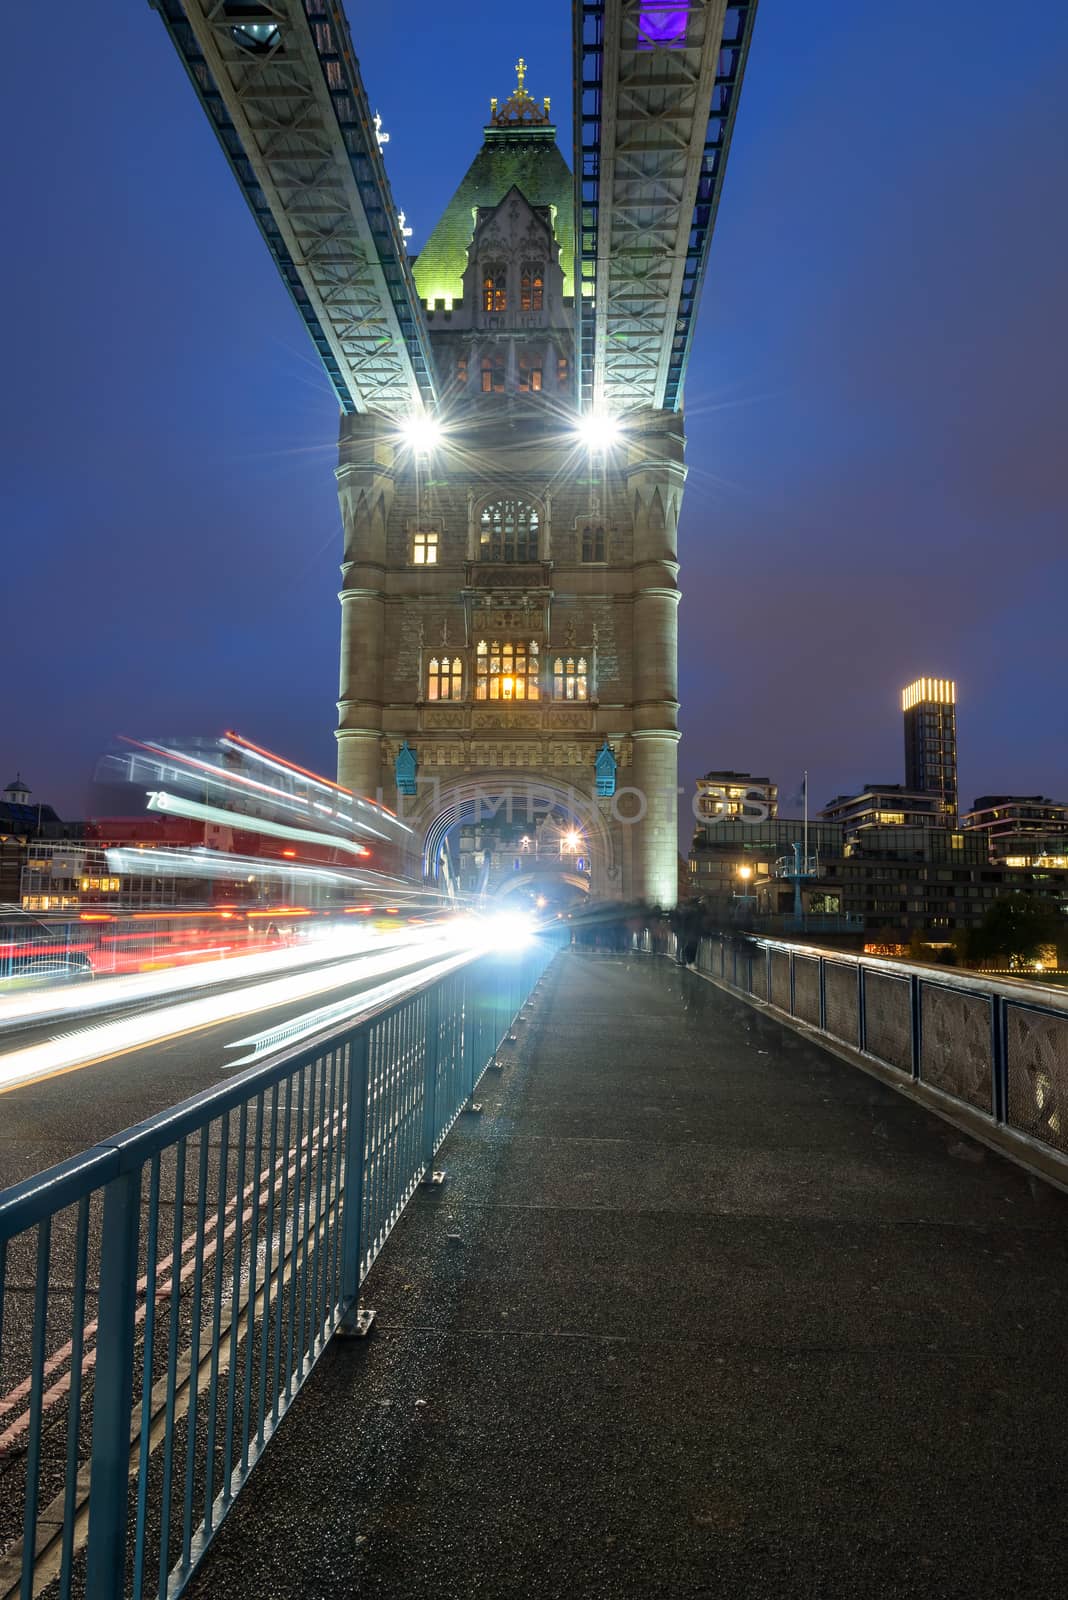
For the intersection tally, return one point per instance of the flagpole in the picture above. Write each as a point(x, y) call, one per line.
point(806, 820)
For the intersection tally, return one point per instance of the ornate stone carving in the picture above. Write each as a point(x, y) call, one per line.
point(513, 717)
point(570, 717)
point(438, 718)
point(515, 619)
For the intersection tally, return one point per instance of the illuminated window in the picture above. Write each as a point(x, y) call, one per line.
point(493, 374)
point(506, 671)
point(508, 531)
point(563, 371)
point(570, 678)
point(494, 297)
point(425, 547)
point(593, 544)
point(529, 373)
point(445, 678)
point(531, 289)
point(461, 371)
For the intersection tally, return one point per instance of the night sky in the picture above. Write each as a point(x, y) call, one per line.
point(875, 401)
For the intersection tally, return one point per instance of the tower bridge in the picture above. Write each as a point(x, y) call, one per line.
point(512, 449)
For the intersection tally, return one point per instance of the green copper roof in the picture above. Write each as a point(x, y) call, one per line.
point(525, 156)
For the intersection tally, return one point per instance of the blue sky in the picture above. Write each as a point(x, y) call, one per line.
point(874, 403)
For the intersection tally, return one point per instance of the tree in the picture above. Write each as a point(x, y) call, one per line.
point(1015, 927)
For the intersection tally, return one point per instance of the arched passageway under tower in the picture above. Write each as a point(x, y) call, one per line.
point(556, 826)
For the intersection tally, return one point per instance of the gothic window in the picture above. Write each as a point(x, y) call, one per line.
point(530, 371)
point(563, 372)
point(445, 679)
point(508, 531)
point(570, 678)
point(505, 671)
point(531, 289)
point(493, 374)
point(425, 547)
point(461, 370)
point(494, 296)
point(593, 545)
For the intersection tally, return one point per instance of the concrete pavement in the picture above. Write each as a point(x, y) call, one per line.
point(702, 1310)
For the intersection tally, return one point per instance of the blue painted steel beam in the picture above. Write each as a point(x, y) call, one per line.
point(192, 58)
point(330, 35)
point(588, 89)
point(737, 35)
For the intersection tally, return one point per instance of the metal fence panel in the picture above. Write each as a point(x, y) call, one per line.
point(888, 1019)
point(840, 1001)
point(956, 1051)
point(1037, 1062)
point(807, 989)
point(780, 979)
point(164, 1296)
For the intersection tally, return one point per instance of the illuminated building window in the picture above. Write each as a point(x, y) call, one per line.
point(529, 373)
point(563, 371)
point(531, 289)
point(593, 544)
point(494, 296)
point(508, 531)
point(425, 547)
point(506, 671)
point(493, 374)
point(570, 678)
point(461, 371)
point(445, 678)
point(891, 818)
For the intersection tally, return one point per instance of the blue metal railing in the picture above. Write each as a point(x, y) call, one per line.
point(995, 1046)
point(164, 1295)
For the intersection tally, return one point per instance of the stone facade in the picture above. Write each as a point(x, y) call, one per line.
point(509, 601)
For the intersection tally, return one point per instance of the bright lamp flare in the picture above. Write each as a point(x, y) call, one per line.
point(598, 430)
point(422, 433)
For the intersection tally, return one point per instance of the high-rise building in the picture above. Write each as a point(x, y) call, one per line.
point(930, 707)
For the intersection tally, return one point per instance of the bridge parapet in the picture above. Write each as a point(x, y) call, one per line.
point(990, 1054)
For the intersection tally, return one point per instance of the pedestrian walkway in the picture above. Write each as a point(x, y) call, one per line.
point(701, 1311)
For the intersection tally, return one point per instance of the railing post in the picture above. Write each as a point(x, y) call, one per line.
point(916, 1006)
point(862, 1009)
point(431, 1059)
point(823, 993)
point(470, 1051)
point(354, 1321)
point(999, 1060)
point(793, 982)
point(113, 1387)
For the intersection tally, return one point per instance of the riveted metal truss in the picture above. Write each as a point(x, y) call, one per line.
point(656, 93)
point(281, 86)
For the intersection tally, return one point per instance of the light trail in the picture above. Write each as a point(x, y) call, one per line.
point(141, 987)
point(106, 1039)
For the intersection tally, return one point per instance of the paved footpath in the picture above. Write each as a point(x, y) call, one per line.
point(725, 1317)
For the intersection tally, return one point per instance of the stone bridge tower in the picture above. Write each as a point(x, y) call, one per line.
point(509, 600)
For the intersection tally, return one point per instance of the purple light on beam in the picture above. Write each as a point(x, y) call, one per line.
point(662, 25)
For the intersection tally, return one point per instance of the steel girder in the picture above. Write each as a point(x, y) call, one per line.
point(656, 93)
point(282, 89)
